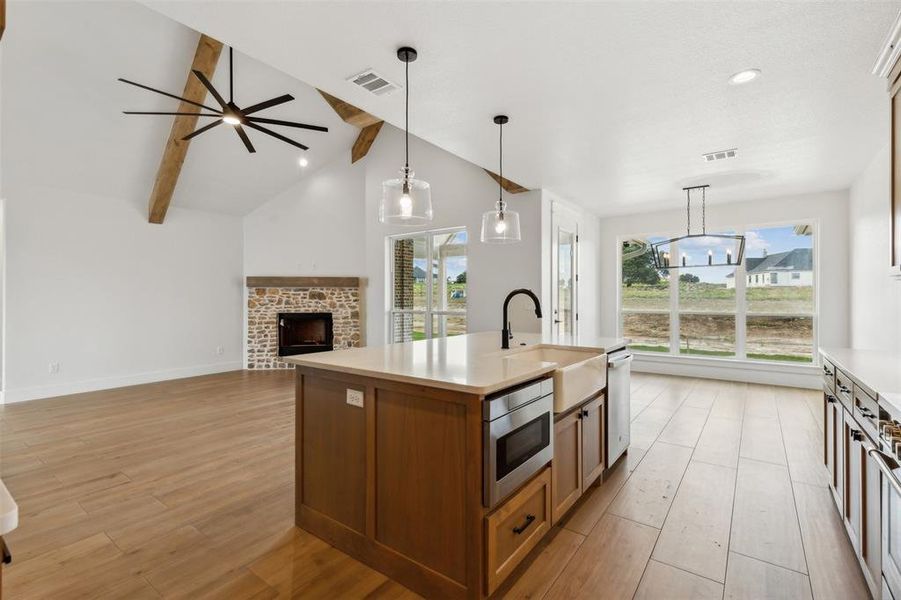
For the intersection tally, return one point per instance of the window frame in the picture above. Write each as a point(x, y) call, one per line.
point(429, 312)
point(742, 283)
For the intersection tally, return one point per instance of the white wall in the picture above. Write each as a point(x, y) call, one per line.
point(328, 225)
point(113, 299)
point(313, 228)
point(875, 295)
point(829, 210)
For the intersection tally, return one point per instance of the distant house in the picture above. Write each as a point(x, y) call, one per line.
point(792, 268)
point(418, 273)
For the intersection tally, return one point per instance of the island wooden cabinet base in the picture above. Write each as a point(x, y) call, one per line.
point(392, 474)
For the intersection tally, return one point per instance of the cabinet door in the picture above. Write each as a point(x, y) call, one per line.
point(833, 441)
point(871, 544)
point(854, 464)
point(567, 471)
point(592, 415)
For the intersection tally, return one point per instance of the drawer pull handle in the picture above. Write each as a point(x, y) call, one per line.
point(524, 526)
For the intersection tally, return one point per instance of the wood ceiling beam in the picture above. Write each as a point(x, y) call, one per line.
point(364, 141)
point(205, 59)
point(369, 125)
point(510, 186)
point(348, 112)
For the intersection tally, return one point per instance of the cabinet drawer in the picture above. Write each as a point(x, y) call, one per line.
point(844, 389)
point(828, 376)
point(517, 527)
point(866, 411)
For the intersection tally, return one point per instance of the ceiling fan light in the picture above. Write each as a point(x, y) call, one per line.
point(231, 120)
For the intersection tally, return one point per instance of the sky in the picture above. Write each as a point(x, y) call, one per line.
point(771, 239)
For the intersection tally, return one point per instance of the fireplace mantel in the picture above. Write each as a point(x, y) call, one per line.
point(302, 282)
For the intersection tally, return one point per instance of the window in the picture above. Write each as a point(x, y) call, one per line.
point(780, 317)
point(706, 302)
point(427, 279)
point(645, 298)
point(748, 311)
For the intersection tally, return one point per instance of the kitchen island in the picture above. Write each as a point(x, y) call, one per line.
point(435, 462)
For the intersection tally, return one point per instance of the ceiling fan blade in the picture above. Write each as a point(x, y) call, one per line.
point(268, 104)
point(287, 123)
point(243, 135)
point(145, 87)
point(201, 130)
point(206, 83)
point(277, 136)
point(187, 114)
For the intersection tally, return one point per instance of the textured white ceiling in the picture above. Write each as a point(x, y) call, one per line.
point(611, 103)
point(63, 125)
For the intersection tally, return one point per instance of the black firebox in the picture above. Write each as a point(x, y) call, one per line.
point(302, 333)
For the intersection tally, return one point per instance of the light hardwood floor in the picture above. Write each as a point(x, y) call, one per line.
point(184, 489)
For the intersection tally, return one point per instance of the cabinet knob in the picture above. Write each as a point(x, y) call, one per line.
point(585, 412)
point(856, 435)
point(830, 399)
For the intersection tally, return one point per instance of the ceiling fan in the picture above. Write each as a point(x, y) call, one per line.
point(230, 113)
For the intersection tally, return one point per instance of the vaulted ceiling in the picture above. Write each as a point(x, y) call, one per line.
point(62, 110)
point(612, 104)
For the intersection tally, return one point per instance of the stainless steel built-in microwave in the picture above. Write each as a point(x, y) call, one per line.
point(518, 433)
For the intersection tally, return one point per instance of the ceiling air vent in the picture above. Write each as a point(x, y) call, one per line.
point(719, 155)
point(373, 82)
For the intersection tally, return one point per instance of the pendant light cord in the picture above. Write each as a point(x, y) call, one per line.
point(407, 119)
point(500, 184)
point(704, 210)
point(688, 211)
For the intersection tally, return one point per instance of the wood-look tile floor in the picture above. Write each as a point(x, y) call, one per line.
point(184, 489)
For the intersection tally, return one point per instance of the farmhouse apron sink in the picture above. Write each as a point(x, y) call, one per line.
point(579, 373)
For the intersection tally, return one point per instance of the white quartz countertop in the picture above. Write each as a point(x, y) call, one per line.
point(472, 363)
point(877, 369)
point(9, 511)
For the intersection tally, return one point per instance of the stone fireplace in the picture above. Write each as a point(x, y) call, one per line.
point(296, 315)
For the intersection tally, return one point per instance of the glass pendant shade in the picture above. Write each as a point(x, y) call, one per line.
point(405, 200)
point(500, 226)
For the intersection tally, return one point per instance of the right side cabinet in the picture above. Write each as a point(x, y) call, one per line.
point(578, 454)
point(855, 479)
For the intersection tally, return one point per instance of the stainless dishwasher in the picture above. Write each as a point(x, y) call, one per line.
point(618, 409)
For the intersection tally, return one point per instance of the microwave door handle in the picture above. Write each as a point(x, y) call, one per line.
point(882, 461)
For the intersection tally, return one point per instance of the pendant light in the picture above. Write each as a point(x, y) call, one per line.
point(406, 201)
point(699, 249)
point(500, 226)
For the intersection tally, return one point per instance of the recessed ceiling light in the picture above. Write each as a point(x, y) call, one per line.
point(744, 76)
point(302, 161)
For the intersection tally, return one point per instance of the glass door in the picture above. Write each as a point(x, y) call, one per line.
point(565, 273)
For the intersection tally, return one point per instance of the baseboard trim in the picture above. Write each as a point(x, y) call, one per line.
point(107, 383)
point(800, 376)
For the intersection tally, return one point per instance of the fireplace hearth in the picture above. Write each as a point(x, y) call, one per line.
point(303, 333)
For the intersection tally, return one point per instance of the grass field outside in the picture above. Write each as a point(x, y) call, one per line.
point(778, 327)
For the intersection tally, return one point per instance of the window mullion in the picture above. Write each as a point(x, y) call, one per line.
point(674, 303)
point(741, 307)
